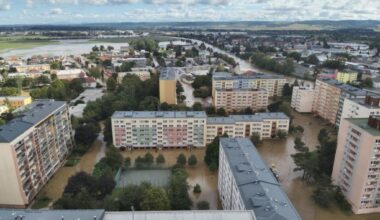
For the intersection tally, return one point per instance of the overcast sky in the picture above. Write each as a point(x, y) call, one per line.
point(84, 11)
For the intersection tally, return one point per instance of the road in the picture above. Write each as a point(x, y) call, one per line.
point(86, 96)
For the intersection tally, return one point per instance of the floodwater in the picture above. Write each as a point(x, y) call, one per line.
point(62, 48)
point(55, 187)
point(278, 152)
point(197, 175)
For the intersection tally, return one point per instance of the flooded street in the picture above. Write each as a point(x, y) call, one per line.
point(278, 152)
point(197, 175)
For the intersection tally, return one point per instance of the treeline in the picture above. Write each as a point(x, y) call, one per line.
point(147, 44)
point(265, 62)
point(60, 90)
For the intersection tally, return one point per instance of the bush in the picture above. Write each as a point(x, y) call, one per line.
point(197, 189)
point(192, 160)
point(160, 159)
point(203, 205)
point(181, 160)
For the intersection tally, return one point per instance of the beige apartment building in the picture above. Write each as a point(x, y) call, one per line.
point(329, 98)
point(155, 129)
point(302, 99)
point(361, 108)
point(273, 84)
point(32, 148)
point(357, 163)
point(33, 68)
point(15, 101)
point(167, 86)
point(240, 99)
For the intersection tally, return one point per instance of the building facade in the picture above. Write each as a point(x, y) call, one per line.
point(240, 99)
point(302, 99)
point(189, 129)
point(357, 163)
point(167, 84)
point(32, 148)
point(346, 76)
point(246, 183)
point(273, 84)
point(329, 98)
point(15, 101)
point(361, 108)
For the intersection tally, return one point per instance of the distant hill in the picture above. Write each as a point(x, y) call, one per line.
point(233, 25)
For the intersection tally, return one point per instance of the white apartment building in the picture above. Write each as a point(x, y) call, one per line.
point(135, 129)
point(273, 84)
point(240, 99)
point(361, 108)
point(357, 163)
point(246, 183)
point(266, 125)
point(159, 129)
point(32, 148)
point(302, 98)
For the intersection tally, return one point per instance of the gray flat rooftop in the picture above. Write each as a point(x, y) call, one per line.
point(344, 87)
point(167, 73)
point(14, 97)
point(32, 114)
point(158, 114)
point(230, 76)
point(11, 214)
point(258, 117)
point(258, 188)
point(181, 215)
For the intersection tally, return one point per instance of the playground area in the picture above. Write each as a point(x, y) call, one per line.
point(157, 177)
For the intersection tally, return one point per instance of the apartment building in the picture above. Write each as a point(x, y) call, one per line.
point(346, 76)
point(266, 125)
point(159, 129)
point(329, 98)
point(135, 129)
point(302, 98)
point(273, 84)
point(246, 183)
point(33, 68)
point(357, 163)
point(240, 99)
point(15, 101)
point(167, 86)
point(361, 108)
point(32, 148)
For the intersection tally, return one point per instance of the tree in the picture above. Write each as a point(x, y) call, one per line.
point(148, 159)
point(127, 162)
point(55, 65)
point(178, 190)
point(82, 200)
point(312, 59)
point(203, 205)
point(181, 160)
point(113, 158)
point(155, 199)
point(281, 134)
point(192, 160)
point(95, 48)
point(295, 55)
point(367, 82)
point(212, 154)
point(111, 84)
point(85, 135)
point(160, 160)
point(197, 189)
point(95, 72)
point(221, 112)
point(79, 181)
point(287, 90)
point(256, 139)
point(101, 169)
point(197, 106)
point(127, 66)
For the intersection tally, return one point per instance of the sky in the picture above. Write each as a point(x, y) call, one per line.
point(95, 11)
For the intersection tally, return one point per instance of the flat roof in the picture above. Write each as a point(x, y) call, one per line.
point(258, 117)
point(230, 76)
point(158, 114)
point(181, 215)
point(363, 124)
point(257, 185)
point(15, 97)
point(167, 73)
point(27, 214)
point(344, 87)
point(32, 114)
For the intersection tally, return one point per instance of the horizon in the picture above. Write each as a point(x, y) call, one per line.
point(32, 12)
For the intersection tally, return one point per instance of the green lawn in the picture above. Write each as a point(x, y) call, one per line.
point(8, 44)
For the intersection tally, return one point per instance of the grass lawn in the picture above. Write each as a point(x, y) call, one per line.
point(8, 43)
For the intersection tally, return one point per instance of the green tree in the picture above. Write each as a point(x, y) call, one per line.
point(221, 112)
point(160, 160)
point(127, 162)
point(155, 199)
point(148, 159)
point(178, 190)
point(192, 160)
point(181, 159)
point(312, 59)
point(197, 189)
point(256, 140)
point(281, 134)
point(203, 205)
point(111, 84)
point(95, 72)
point(101, 169)
point(197, 106)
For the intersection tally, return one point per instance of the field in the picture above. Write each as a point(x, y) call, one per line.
point(9, 43)
point(157, 177)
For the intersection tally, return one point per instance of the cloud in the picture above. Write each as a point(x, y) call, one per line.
point(5, 5)
point(56, 11)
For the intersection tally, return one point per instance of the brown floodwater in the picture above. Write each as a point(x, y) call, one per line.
point(278, 152)
point(54, 188)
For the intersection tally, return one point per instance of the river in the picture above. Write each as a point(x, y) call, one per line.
point(62, 48)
